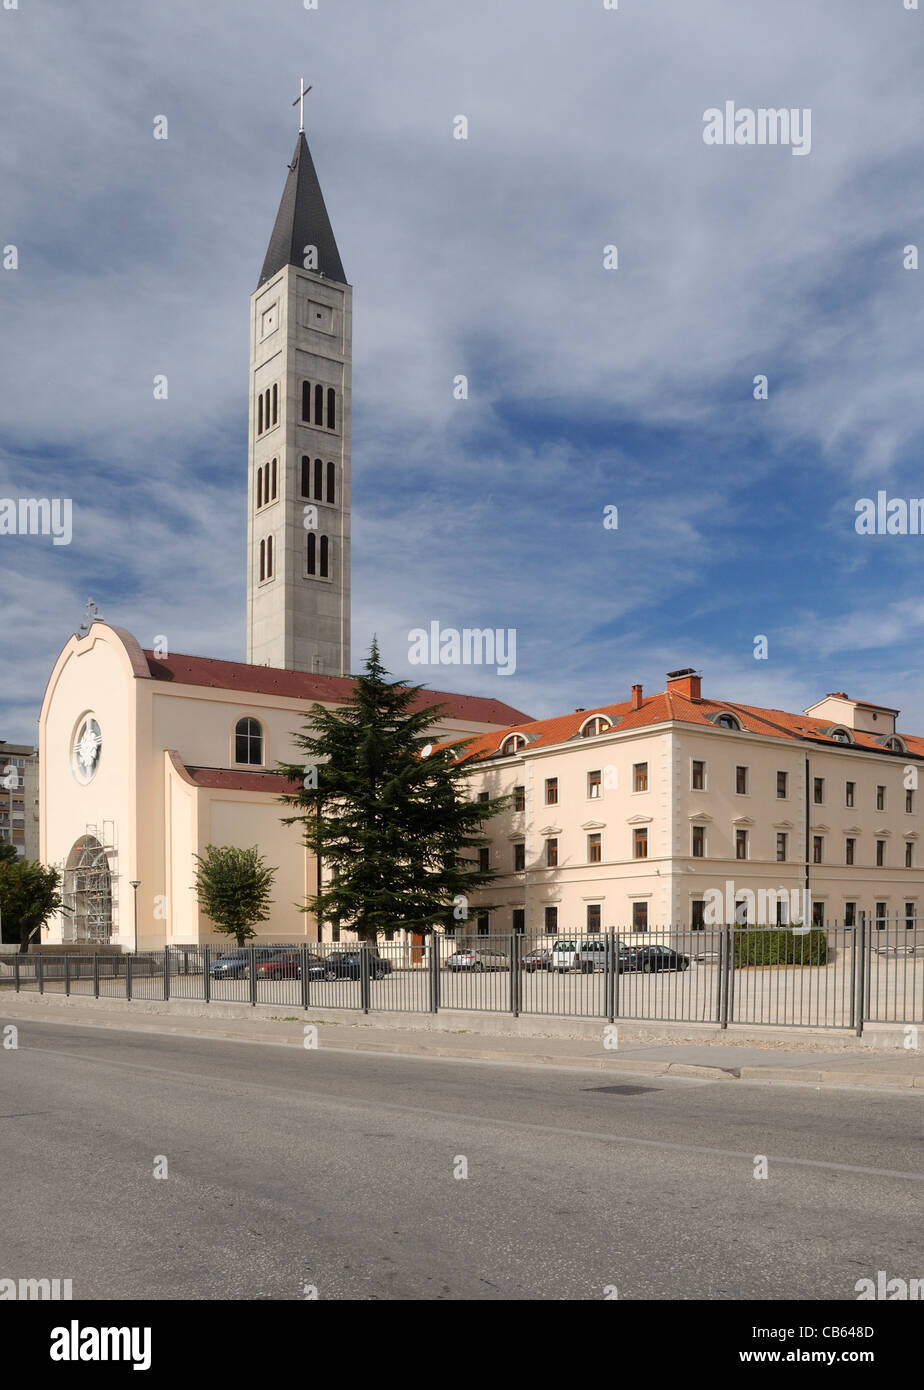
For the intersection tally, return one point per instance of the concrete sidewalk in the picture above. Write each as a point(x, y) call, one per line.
point(784, 1057)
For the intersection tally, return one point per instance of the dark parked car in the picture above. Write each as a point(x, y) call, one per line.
point(650, 958)
point(287, 966)
point(346, 965)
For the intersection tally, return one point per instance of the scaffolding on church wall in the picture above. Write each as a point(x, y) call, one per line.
point(88, 884)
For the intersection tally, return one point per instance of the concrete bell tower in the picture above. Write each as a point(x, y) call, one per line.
point(298, 491)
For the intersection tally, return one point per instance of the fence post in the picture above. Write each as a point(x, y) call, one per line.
point(40, 972)
point(303, 967)
point(67, 975)
point(128, 976)
point(96, 974)
point(726, 942)
point(16, 971)
point(434, 972)
point(166, 973)
point(515, 975)
point(364, 990)
point(207, 976)
point(862, 1002)
point(853, 973)
point(253, 976)
point(609, 982)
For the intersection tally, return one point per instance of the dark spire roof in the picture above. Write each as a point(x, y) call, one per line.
point(302, 221)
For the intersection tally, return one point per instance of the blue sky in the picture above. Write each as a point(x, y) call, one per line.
point(588, 387)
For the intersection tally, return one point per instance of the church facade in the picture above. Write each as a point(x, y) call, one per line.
point(147, 757)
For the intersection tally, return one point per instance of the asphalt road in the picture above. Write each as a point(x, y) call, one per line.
point(293, 1168)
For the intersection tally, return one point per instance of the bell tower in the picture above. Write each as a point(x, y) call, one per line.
point(298, 491)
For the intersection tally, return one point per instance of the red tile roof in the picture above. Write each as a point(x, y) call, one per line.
point(301, 685)
point(234, 779)
point(669, 705)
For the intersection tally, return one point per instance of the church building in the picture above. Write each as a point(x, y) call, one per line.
point(148, 757)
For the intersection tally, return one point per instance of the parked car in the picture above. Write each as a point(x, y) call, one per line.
point(586, 956)
point(650, 958)
point(235, 965)
point(470, 959)
point(538, 959)
point(286, 966)
point(347, 965)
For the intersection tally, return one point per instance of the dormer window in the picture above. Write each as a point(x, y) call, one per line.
point(840, 736)
point(598, 724)
point(513, 744)
point(895, 745)
point(727, 721)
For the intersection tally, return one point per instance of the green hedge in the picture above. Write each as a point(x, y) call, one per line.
point(779, 946)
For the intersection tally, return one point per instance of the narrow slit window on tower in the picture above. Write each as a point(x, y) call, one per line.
point(331, 408)
point(319, 405)
point(312, 552)
point(275, 404)
point(325, 567)
point(331, 482)
point(273, 479)
point(266, 408)
point(262, 561)
point(260, 413)
point(259, 488)
point(269, 557)
point(306, 476)
point(318, 472)
point(306, 402)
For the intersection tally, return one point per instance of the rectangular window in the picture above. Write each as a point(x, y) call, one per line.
point(484, 796)
point(594, 784)
point(781, 847)
point(551, 920)
point(551, 854)
point(741, 781)
point(741, 844)
point(519, 920)
point(594, 914)
point(849, 850)
point(882, 910)
point(818, 791)
point(779, 913)
point(818, 914)
point(519, 856)
point(817, 849)
point(698, 915)
point(909, 916)
point(697, 776)
point(909, 854)
point(850, 914)
point(782, 783)
point(699, 842)
point(594, 849)
point(849, 792)
point(551, 791)
point(483, 923)
point(640, 843)
point(484, 861)
point(519, 798)
point(640, 917)
point(640, 777)
point(880, 853)
point(880, 798)
point(909, 802)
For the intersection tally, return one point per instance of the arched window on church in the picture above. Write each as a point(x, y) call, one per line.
point(312, 553)
point(306, 476)
point(331, 482)
point(319, 405)
point(318, 479)
point(248, 742)
point(306, 402)
point(273, 481)
point(260, 413)
point(325, 570)
point(269, 557)
point(275, 404)
point(259, 488)
point(331, 408)
point(262, 561)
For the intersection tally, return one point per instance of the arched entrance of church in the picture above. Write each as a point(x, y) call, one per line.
point(87, 892)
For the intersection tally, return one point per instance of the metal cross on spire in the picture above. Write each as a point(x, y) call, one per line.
point(300, 102)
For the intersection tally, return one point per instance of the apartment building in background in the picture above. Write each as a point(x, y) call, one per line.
point(19, 810)
point(639, 815)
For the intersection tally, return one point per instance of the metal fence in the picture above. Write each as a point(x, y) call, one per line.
point(828, 977)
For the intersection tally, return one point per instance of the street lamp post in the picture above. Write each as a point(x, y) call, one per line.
point(136, 884)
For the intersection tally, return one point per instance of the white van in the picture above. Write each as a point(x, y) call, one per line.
point(586, 956)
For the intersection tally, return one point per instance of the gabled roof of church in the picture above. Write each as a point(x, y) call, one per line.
point(302, 685)
point(302, 221)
